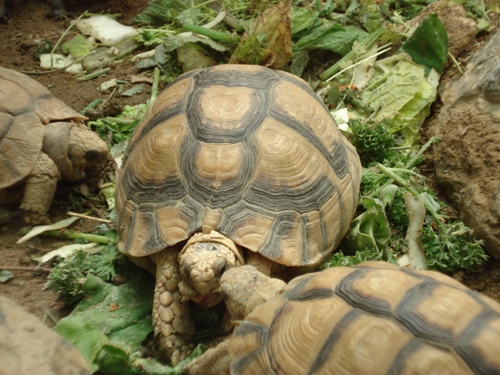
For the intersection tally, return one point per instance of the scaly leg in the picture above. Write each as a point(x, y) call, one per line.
point(172, 321)
point(39, 189)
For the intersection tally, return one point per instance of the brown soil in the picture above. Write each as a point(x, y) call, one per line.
point(28, 27)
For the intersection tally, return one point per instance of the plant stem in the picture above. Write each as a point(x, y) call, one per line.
point(74, 235)
point(215, 35)
point(402, 182)
point(408, 166)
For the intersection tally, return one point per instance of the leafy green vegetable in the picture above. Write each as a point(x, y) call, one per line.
point(370, 230)
point(136, 89)
point(452, 247)
point(333, 37)
point(68, 277)
point(303, 19)
point(174, 42)
point(401, 95)
point(160, 12)
point(110, 324)
point(121, 126)
point(338, 259)
point(381, 227)
point(77, 46)
point(428, 44)
point(5, 276)
point(365, 42)
point(268, 40)
point(372, 140)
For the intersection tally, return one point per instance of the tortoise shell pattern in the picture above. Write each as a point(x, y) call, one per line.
point(374, 318)
point(244, 150)
point(25, 107)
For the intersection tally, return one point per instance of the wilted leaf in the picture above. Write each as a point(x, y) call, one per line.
point(371, 229)
point(193, 56)
point(5, 276)
point(36, 230)
point(402, 95)
point(78, 46)
point(136, 89)
point(268, 42)
point(179, 40)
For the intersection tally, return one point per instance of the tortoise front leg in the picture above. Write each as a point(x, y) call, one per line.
point(173, 326)
point(39, 189)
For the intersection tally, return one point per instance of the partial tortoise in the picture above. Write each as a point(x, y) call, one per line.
point(232, 164)
point(372, 318)
point(42, 141)
point(28, 346)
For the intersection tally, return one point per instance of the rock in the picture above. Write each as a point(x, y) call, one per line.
point(29, 347)
point(467, 160)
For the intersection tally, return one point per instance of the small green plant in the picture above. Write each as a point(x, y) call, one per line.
point(68, 277)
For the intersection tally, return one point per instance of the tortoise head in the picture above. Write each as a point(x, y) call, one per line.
point(202, 262)
point(74, 148)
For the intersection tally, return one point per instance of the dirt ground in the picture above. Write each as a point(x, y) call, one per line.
point(28, 27)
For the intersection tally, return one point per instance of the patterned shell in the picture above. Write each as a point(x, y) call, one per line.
point(374, 318)
point(244, 150)
point(25, 107)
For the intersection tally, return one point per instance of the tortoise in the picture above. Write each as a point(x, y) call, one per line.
point(28, 346)
point(231, 165)
point(371, 318)
point(42, 140)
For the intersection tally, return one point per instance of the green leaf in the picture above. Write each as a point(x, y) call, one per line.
point(160, 12)
point(136, 89)
point(179, 40)
point(370, 230)
point(78, 46)
point(394, 89)
point(333, 37)
point(302, 19)
point(401, 94)
point(5, 276)
point(110, 324)
point(428, 45)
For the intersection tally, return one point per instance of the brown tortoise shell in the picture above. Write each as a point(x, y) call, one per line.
point(373, 318)
point(25, 107)
point(244, 150)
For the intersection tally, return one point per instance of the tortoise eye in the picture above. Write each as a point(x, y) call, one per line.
point(92, 155)
point(220, 267)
